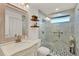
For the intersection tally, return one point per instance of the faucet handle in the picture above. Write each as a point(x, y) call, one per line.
point(18, 39)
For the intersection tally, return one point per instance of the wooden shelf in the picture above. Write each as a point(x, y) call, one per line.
point(35, 26)
point(34, 20)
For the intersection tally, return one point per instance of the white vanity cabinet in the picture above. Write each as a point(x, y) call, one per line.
point(31, 51)
point(26, 48)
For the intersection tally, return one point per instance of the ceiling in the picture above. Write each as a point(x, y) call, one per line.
point(49, 8)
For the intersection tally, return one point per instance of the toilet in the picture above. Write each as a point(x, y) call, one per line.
point(43, 51)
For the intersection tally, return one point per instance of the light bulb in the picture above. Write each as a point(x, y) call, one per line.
point(27, 6)
point(47, 18)
point(56, 9)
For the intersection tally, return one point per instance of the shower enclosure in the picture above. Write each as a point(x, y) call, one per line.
point(56, 36)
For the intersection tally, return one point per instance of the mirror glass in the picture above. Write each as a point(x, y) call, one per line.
point(15, 23)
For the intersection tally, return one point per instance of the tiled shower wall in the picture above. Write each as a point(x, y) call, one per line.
point(52, 40)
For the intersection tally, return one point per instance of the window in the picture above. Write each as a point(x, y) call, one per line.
point(60, 19)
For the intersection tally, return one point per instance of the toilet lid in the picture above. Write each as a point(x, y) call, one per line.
point(43, 51)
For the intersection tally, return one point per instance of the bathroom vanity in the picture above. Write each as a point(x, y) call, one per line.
point(13, 21)
point(24, 48)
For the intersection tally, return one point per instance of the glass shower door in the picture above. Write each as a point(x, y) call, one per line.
point(56, 37)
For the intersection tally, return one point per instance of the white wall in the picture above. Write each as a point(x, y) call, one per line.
point(76, 26)
point(33, 33)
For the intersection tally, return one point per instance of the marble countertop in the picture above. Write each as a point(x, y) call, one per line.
point(12, 47)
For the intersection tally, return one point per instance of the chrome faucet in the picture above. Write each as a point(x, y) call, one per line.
point(17, 38)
